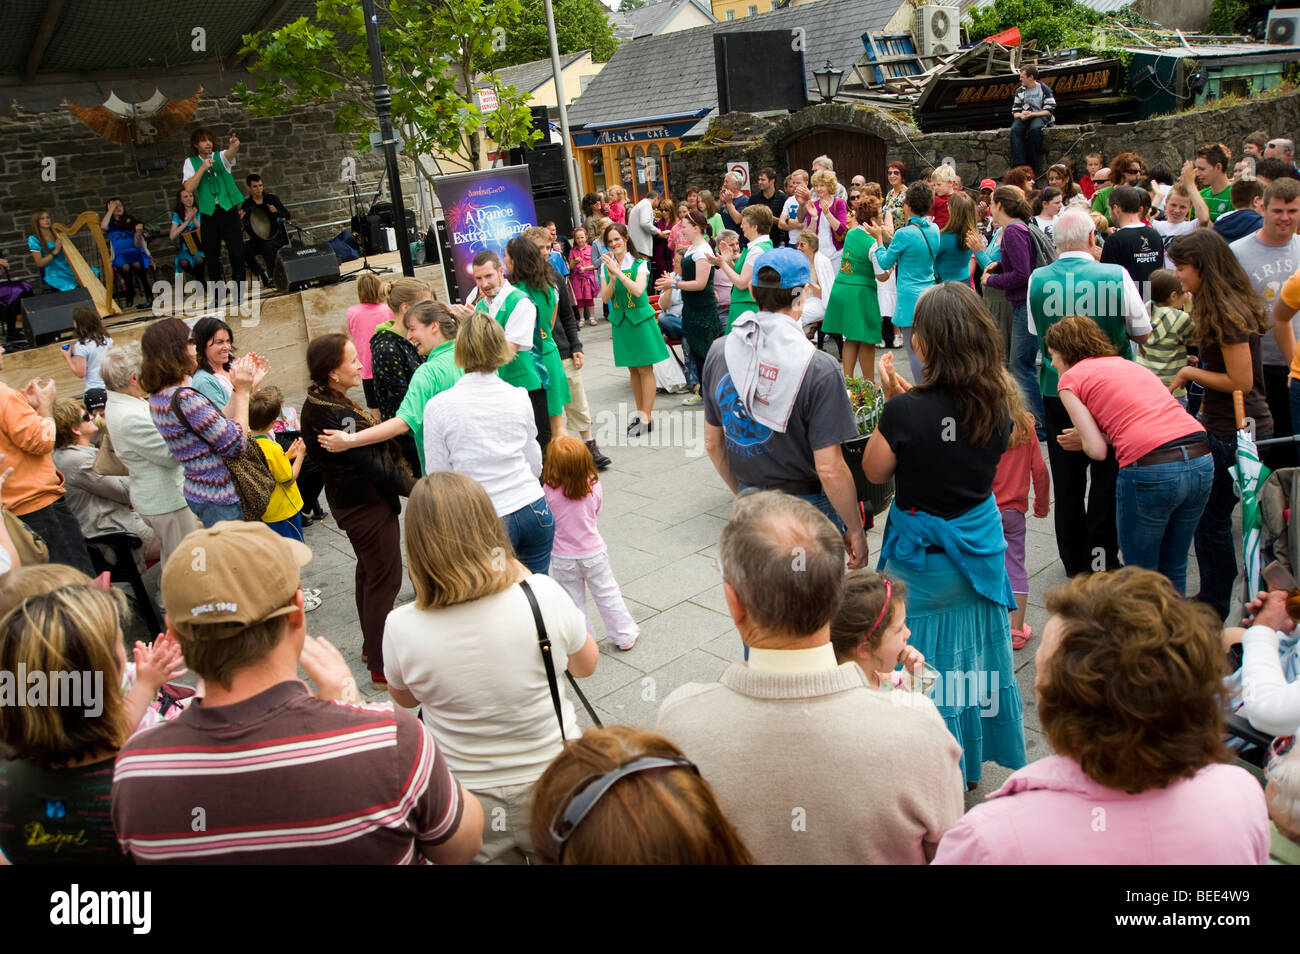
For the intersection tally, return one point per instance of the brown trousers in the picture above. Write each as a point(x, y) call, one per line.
point(376, 539)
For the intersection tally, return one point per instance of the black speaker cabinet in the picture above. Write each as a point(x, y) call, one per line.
point(759, 70)
point(554, 207)
point(545, 168)
point(297, 264)
point(444, 255)
point(45, 317)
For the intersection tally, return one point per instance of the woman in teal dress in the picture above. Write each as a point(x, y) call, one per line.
point(530, 273)
point(47, 252)
point(854, 308)
point(638, 342)
point(944, 536)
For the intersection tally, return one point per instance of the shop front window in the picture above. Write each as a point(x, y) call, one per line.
point(626, 171)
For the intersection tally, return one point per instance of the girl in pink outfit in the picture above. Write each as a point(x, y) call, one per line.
point(579, 559)
point(582, 277)
point(1130, 698)
point(618, 204)
point(1021, 461)
point(363, 319)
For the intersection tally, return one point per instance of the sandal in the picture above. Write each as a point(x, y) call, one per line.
point(1021, 636)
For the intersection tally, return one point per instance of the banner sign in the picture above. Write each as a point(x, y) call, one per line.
point(483, 211)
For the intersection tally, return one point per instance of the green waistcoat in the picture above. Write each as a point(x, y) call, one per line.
point(521, 372)
point(1075, 286)
point(216, 185)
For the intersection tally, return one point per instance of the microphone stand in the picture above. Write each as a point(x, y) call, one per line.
point(359, 216)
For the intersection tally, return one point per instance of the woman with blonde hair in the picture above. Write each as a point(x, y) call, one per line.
point(623, 796)
point(56, 779)
point(828, 215)
point(467, 650)
point(393, 359)
point(369, 313)
point(484, 428)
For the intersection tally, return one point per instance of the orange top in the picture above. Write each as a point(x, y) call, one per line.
point(27, 440)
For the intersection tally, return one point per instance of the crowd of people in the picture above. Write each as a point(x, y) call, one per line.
point(874, 698)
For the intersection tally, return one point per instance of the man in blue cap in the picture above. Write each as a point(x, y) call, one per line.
point(775, 408)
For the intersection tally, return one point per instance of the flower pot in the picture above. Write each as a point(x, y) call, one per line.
point(876, 497)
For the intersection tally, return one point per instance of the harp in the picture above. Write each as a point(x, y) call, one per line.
point(83, 239)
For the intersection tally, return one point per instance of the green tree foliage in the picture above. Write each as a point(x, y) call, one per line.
point(1053, 24)
point(579, 25)
point(433, 52)
point(627, 6)
point(1227, 17)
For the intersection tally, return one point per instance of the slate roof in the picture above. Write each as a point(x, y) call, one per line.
point(674, 73)
point(528, 77)
point(646, 21)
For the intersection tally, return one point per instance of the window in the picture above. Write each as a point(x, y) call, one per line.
point(773, 6)
point(731, 14)
point(752, 11)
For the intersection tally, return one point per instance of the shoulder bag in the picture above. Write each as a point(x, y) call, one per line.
point(249, 471)
point(107, 463)
point(31, 549)
point(544, 642)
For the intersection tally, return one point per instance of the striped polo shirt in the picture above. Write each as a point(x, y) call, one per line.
point(284, 778)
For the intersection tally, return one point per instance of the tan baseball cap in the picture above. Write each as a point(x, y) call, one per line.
point(224, 578)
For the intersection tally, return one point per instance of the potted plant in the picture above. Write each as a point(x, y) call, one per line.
point(868, 402)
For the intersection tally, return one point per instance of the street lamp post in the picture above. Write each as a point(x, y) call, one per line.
point(384, 109)
point(828, 80)
point(570, 175)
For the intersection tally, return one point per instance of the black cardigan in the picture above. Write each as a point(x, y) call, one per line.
point(361, 475)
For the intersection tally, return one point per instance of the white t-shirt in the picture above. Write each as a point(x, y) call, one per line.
point(189, 168)
point(478, 672)
point(93, 353)
point(791, 211)
point(1170, 231)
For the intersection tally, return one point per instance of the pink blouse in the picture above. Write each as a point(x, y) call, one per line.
point(363, 319)
point(840, 215)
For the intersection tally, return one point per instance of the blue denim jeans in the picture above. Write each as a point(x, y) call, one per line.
point(1024, 357)
point(671, 325)
point(820, 501)
point(1157, 509)
point(532, 531)
point(1027, 140)
point(210, 513)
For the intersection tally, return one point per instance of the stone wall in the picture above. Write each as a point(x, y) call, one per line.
point(1169, 140)
point(298, 155)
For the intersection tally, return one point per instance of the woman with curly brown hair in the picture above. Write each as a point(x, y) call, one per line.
point(1130, 697)
point(621, 796)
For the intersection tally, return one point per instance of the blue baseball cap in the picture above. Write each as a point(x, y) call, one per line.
point(790, 264)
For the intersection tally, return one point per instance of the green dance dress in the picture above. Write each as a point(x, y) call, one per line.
point(854, 308)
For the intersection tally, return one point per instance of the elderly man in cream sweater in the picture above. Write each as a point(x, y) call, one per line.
point(810, 763)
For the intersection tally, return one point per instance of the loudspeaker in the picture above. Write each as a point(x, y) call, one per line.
point(759, 71)
point(541, 123)
point(45, 317)
point(545, 168)
point(306, 263)
point(444, 255)
point(554, 207)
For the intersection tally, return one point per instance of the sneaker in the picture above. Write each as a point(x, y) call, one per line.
point(692, 401)
point(639, 428)
point(378, 681)
point(624, 647)
point(310, 601)
point(593, 322)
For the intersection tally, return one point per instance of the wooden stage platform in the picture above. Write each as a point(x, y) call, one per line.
point(285, 322)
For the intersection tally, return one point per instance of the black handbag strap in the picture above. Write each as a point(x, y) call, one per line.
point(544, 642)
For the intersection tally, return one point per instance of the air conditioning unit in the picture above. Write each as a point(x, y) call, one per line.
point(1283, 28)
point(938, 30)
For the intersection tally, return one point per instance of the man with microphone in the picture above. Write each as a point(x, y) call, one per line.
point(207, 175)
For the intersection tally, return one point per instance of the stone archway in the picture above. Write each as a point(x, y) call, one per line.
point(861, 139)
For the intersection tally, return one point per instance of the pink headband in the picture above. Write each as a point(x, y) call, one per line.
point(889, 592)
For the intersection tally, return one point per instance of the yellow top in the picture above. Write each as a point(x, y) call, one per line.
point(285, 499)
